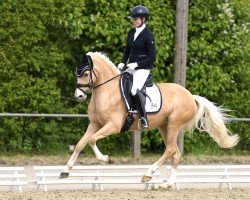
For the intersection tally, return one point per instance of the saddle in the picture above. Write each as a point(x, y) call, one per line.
point(151, 93)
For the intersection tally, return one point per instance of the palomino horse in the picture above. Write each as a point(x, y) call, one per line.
point(107, 112)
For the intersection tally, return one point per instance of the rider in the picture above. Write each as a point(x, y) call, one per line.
point(140, 51)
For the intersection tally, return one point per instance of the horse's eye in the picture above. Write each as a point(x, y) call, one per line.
point(85, 74)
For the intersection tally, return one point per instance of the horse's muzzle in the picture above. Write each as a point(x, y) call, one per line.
point(80, 95)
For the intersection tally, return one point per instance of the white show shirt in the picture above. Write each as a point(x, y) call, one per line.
point(138, 31)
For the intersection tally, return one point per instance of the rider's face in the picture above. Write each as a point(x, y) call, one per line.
point(137, 22)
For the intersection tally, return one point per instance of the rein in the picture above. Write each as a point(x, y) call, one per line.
point(90, 84)
point(107, 81)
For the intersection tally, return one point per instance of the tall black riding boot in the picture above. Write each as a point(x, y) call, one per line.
point(141, 109)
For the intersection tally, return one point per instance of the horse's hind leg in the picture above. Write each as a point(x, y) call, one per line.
point(169, 134)
point(174, 164)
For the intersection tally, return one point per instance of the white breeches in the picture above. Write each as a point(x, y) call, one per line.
point(139, 78)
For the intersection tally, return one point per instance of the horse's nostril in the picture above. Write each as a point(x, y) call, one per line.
point(80, 96)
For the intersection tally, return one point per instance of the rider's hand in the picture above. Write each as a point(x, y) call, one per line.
point(120, 66)
point(132, 65)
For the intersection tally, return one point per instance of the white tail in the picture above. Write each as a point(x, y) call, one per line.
point(212, 119)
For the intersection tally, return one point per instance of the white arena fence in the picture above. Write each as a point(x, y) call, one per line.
point(13, 176)
point(98, 176)
point(220, 174)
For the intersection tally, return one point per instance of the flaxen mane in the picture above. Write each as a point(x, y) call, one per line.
point(105, 57)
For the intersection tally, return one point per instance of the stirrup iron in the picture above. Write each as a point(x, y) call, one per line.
point(143, 123)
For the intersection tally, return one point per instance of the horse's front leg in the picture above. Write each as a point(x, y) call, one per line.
point(90, 137)
point(107, 130)
point(92, 128)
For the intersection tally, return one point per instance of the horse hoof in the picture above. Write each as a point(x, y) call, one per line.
point(64, 175)
point(146, 179)
point(111, 160)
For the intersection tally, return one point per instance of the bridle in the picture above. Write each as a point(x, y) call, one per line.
point(90, 67)
point(89, 85)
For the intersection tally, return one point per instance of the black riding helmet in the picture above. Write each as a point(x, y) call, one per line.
point(139, 11)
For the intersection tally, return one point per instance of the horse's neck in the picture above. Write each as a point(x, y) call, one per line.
point(106, 102)
point(105, 92)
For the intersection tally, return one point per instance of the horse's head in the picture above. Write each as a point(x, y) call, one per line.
point(89, 66)
point(85, 77)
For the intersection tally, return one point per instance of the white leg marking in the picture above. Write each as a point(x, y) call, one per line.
point(171, 180)
point(151, 170)
point(71, 162)
point(172, 176)
point(99, 155)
